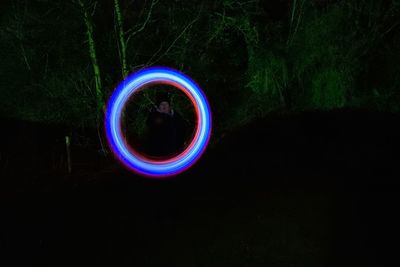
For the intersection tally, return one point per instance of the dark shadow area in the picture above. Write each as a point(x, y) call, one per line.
point(307, 189)
point(161, 128)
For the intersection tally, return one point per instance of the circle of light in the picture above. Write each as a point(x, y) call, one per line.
point(131, 158)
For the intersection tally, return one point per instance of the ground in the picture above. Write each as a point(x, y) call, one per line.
point(307, 189)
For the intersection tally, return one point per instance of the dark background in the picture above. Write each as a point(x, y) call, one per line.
point(303, 163)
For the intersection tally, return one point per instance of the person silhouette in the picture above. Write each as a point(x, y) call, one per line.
point(166, 128)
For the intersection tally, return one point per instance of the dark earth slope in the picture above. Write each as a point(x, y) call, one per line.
point(309, 189)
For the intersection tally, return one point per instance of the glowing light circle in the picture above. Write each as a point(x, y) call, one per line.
point(132, 159)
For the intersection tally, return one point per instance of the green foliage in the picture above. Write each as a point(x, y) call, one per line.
point(328, 89)
point(68, 98)
point(316, 55)
point(316, 65)
point(322, 66)
point(268, 76)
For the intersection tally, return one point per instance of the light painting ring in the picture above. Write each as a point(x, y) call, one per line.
point(131, 158)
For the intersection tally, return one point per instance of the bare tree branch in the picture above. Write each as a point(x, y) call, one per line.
point(154, 55)
point(142, 27)
point(177, 38)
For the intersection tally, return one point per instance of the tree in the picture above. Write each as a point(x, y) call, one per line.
point(124, 37)
point(87, 18)
point(100, 103)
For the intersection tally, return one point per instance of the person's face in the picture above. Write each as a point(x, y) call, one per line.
point(164, 107)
